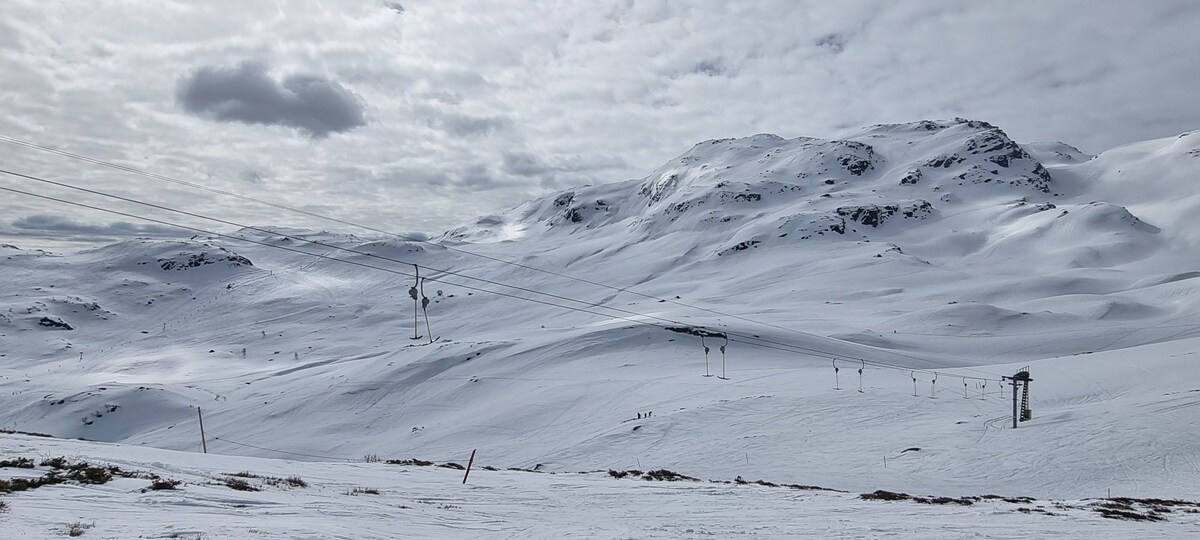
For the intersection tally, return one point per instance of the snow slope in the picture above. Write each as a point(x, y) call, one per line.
point(925, 246)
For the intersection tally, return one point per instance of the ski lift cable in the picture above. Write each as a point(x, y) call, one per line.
point(310, 254)
point(280, 206)
point(786, 347)
point(313, 242)
point(289, 452)
point(750, 340)
point(165, 178)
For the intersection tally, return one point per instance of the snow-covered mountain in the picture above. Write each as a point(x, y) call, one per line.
point(755, 191)
point(928, 245)
point(943, 227)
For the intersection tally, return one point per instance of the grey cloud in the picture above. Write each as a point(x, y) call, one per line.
point(394, 6)
point(247, 94)
point(51, 225)
point(468, 126)
point(1073, 76)
point(712, 68)
point(836, 43)
point(529, 164)
point(564, 91)
point(10, 38)
point(440, 180)
point(448, 98)
point(461, 80)
point(471, 176)
point(252, 176)
point(525, 164)
point(476, 177)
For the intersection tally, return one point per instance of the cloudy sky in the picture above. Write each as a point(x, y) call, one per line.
point(419, 115)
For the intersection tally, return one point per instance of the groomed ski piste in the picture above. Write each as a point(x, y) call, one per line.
point(939, 251)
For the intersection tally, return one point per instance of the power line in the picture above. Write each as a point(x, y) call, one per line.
point(749, 340)
point(283, 451)
point(794, 348)
point(160, 177)
point(288, 452)
point(319, 243)
point(317, 255)
point(330, 246)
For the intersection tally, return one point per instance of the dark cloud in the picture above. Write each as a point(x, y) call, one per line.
point(246, 93)
point(51, 225)
point(836, 43)
point(712, 68)
point(252, 176)
point(394, 6)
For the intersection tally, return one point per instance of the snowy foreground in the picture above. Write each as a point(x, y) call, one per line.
point(377, 500)
point(1099, 429)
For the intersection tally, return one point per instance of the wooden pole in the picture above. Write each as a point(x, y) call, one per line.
point(469, 462)
point(203, 443)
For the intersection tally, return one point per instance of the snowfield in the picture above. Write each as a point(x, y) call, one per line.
point(941, 251)
point(377, 500)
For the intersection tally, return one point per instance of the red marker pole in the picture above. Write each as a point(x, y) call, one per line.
point(469, 462)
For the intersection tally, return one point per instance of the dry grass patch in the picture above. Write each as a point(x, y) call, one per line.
point(78, 528)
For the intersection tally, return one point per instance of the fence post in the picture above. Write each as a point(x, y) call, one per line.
point(469, 462)
point(203, 443)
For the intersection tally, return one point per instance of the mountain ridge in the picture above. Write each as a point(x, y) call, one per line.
point(314, 356)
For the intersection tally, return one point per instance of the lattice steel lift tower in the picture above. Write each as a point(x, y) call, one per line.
point(1021, 380)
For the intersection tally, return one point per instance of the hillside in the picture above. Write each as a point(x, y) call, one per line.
point(924, 246)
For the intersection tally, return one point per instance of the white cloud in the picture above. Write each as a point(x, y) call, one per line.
point(471, 106)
